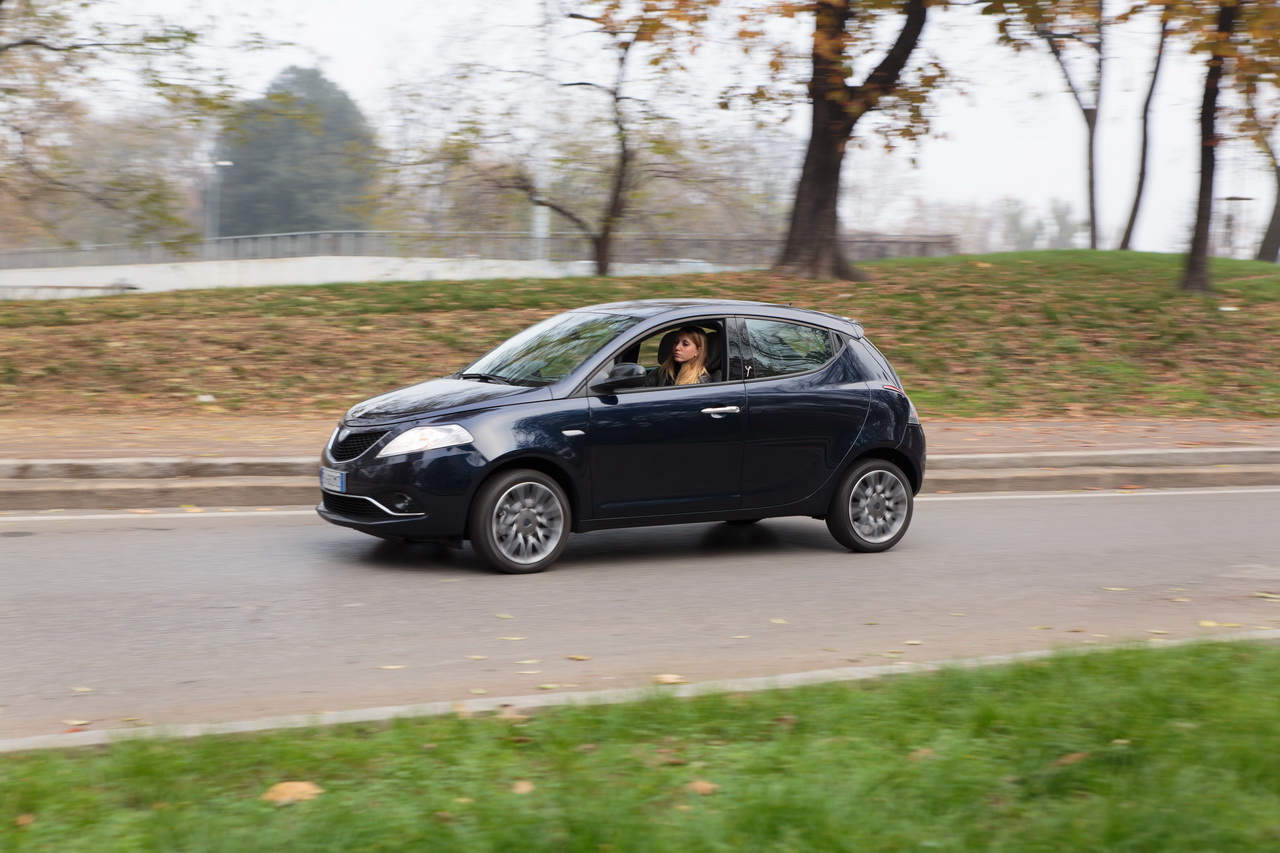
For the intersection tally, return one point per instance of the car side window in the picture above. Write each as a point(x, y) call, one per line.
point(779, 348)
point(652, 350)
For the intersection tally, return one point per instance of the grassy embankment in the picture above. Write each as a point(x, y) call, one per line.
point(1040, 334)
point(1127, 750)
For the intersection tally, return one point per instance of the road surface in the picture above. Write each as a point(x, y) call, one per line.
point(115, 619)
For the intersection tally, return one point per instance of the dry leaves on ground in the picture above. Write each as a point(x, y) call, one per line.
point(286, 793)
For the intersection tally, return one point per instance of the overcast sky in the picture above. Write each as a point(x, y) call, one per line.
point(1018, 133)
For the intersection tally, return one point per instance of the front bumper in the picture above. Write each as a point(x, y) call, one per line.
point(416, 496)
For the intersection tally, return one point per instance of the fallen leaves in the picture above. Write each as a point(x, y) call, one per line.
point(702, 788)
point(287, 793)
point(76, 722)
point(1069, 759)
point(669, 678)
point(523, 786)
point(579, 657)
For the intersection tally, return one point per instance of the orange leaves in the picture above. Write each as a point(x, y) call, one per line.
point(288, 793)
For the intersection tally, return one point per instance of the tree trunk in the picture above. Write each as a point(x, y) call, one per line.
point(1091, 129)
point(602, 246)
point(1269, 250)
point(813, 249)
point(1195, 278)
point(1145, 146)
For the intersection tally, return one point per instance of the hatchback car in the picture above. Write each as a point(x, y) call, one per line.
point(562, 429)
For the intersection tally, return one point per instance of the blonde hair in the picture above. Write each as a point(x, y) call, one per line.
point(693, 369)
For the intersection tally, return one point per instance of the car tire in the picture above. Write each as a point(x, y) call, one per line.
point(871, 508)
point(519, 522)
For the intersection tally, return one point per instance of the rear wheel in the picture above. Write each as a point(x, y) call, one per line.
point(519, 522)
point(871, 508)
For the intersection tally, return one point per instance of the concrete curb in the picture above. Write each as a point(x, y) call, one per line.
point(598, 697)
point(124, 483)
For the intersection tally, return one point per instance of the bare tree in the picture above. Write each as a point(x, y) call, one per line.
point(1195, 277)
point(55, 59)
point(1144, 147)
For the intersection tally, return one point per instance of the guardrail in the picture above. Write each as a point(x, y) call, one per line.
point(628, 248)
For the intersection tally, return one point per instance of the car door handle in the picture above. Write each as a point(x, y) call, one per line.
point(721, 410)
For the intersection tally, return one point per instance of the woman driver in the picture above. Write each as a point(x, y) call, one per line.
point(687, 363)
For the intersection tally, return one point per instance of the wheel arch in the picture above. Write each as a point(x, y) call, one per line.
point(897, 457)
point(533, 463)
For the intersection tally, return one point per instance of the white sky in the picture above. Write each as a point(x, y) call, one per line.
point(1018, 134)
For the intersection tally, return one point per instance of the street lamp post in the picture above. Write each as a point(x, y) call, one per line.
point(213, 205)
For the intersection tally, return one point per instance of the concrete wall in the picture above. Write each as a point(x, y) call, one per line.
point(62, 282)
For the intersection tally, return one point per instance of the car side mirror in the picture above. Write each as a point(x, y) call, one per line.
point(623, 375)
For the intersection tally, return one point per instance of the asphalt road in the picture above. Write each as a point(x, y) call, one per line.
point(175, 617)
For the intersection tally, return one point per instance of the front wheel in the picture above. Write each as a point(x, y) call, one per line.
point(871, 508)
point(519, 522)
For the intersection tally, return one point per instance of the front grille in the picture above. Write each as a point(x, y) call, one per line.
point(353, 444)
point(353, 506)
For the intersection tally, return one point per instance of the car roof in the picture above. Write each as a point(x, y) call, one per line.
point(648, 308)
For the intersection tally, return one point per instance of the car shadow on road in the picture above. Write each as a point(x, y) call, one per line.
point(621, 548)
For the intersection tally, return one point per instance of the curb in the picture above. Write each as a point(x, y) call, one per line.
point(469, 706)
point(124, 483)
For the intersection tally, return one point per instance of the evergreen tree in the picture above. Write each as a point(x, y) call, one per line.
point(301, 160)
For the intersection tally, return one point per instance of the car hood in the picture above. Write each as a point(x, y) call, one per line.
point(439, 396)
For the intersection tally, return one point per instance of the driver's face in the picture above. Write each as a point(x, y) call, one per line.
point(685, 349)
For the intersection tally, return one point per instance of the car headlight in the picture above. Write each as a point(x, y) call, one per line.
point(426, 438)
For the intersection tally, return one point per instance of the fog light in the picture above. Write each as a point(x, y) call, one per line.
point(399, 502)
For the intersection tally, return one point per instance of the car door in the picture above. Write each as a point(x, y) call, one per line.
point(806, 405)
point(667, 451)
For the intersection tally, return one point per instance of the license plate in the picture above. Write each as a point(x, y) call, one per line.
point(333, 481)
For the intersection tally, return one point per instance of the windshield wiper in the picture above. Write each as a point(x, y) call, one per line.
point(485, 377)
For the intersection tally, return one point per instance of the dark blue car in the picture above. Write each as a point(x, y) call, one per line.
point(562, 429)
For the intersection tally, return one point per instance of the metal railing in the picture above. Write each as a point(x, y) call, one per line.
point(628, 248)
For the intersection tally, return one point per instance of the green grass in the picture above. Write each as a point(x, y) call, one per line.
point(1124, 750)
point(1037, 334)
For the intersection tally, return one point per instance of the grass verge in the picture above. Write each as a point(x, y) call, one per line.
point(1128, 749)
point(1038, 334)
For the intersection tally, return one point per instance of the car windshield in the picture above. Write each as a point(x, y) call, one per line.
point(549, 351)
